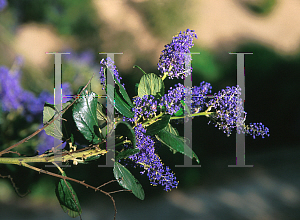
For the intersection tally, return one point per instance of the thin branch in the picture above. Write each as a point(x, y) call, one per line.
point(64, 157)
point(52, 150)
point(111, 181)
point(58, 167)
point(39, 130)
point(14, 152)
point(58, 145)
point(14, 186)
point(71, 179)
point(121, 190)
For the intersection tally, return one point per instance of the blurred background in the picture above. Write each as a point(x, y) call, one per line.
point(140, 29)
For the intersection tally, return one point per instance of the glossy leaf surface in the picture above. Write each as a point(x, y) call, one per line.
point(128, 181)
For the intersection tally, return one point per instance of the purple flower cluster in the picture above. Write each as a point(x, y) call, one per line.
point(3, 4)
point(199, 96)
point(172, 59)
point(228, 108)
point(108, 64)
point(257, 129)
point(171, 100)
point(147, 159)
point(227, 104)
point(228, 113)
point(144, 107)
point(170, 103)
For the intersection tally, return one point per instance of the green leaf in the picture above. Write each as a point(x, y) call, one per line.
point(171, 129)
point(101, 112)
point(151, 84)
point(85, 116)
point(126, 153)
point(179, 112)
point(260, 7)
point(67, 198)
point(122, 91)
point(50, 111)
point(125, 95)
point(91, 158)
point(136, 88)
point(104, 131)
point(120, 105)
point(124, 129)
point(70, 130)
point(158, 125)
point(102, 119)
point(186, 108)
point(169, 136)
point(128, 181)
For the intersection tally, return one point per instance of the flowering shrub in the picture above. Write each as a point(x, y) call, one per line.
point(141, 122)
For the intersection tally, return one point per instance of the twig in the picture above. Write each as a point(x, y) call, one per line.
point(111, 181)
point(14, 186)
point(14, 152)
point(64, 157)
point(121, 190)
point(58, 146)
point(39, 130)
point(52, 150)
point(71, 179)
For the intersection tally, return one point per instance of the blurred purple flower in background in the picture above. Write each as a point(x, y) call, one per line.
point(13, 97)
point(34, 105)
point(84, 58)
point(10, 89)
point(3, 4)
point(46, 141)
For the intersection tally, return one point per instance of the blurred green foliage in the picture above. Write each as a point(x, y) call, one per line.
point(74, 18)
point(205, 64)
point(163, 17)
point(263, 7)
